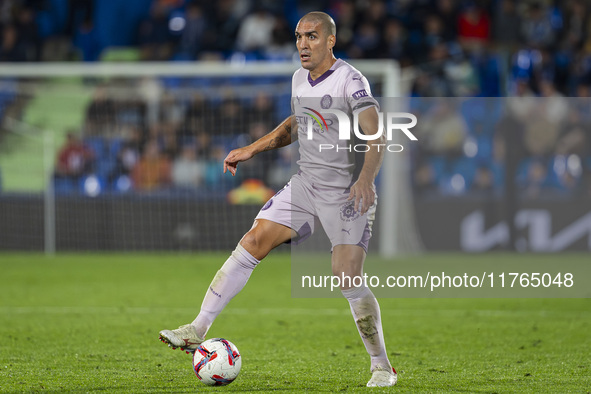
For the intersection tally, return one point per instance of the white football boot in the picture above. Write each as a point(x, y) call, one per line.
point(183, 337)
point(381, 377)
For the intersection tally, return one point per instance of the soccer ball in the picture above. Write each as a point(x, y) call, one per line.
point(217, 362)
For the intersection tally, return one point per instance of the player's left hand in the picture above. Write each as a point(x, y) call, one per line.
point(363, 191)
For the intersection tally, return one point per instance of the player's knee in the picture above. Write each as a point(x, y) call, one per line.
point(253, 242)
point(346, 268)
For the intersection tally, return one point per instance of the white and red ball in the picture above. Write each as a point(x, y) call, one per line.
point(217, 362)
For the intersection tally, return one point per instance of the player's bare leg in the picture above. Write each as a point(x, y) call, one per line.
point(264, 236)
point(348, 260)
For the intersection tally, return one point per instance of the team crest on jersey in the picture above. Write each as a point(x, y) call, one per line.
point(326, 101)
point(348, 212)
point(267, 205)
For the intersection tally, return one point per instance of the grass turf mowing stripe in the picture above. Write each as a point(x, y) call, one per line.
point(85, 323)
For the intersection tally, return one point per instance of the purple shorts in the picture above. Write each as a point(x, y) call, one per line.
point(301, 206)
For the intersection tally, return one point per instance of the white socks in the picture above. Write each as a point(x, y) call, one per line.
point(228, 282)
point(366, 312)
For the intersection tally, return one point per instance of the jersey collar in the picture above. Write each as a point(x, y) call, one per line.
point(327, 73)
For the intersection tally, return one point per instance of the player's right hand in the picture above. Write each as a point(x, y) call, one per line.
point(234, 157)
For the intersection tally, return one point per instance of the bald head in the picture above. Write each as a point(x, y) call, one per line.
point(324, 19)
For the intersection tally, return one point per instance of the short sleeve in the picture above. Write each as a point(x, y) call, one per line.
point(293, 92)
point(359, 94)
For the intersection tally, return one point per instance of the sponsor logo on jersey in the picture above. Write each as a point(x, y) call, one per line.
point(317, 118)
point(359, 94)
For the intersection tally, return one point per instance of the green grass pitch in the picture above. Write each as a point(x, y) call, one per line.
point(90, 322)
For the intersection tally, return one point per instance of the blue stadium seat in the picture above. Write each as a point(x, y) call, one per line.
point(122, 184)
point(485, 147)
point(489, 76)
point(97, 144)
point(439, 166)
point(172, 82)
point(64, 186)
point(198, 82)
point(114, 147)
point(104, 167)
point(466, 167)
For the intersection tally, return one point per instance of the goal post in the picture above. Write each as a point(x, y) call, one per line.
point(397, 232)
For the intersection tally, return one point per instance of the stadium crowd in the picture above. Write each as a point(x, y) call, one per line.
point(487, 48)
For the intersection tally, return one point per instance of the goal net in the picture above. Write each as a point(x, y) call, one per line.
point(129, 156)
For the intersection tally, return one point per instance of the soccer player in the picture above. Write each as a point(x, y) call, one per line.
point(324, 189)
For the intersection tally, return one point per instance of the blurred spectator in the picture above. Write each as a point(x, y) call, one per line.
point(199, 116)
point(346, 20)
point(533, 182)
point(204, 146)
point(366, 42)
point(375, 13)
point(282, 40)
point(79, 12)
point(543, 125)
point(567, 181)
point(367, 38)
point(575, 25)
point(447, 12)
point(283, 168)
point(87, 41)
point(155, 40)
point(187, 171)
point(537, 27)
point(262, 110)
point(555, 105)
point(394, 45)
point(224, 18)
point(255, 32)
point(74, 159)
point(431, 80)
point(507, 25)
point(540, 137)
point(100, 114)
point(442, 130)
point(128, 155)
point(259, 166)
point(461, 74)
point(521, 101)
point(573, 137)
point(191, 42)
point(483, 183)
point(10, 48)
point(130, 111)
point(433, 33)
point(7, 11)
point(28, 33)
point(213, 180)
point(171, 110)
point(473, 27)
point(425, 178)
point(153, 171)
point(229, 118)
point(168, 140)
